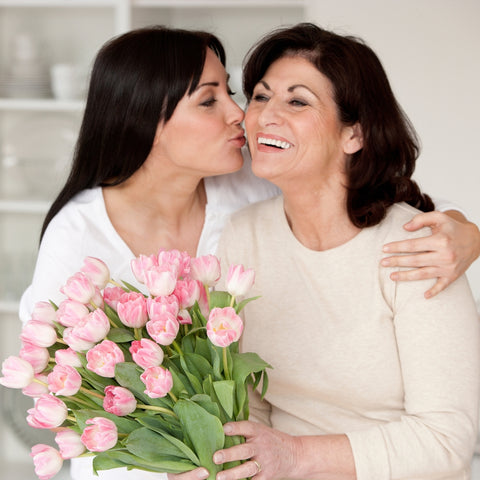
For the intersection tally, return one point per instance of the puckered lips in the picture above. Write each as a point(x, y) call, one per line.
point(272, 143)
point(239, 140)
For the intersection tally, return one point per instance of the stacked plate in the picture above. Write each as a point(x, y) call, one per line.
point(26, 76)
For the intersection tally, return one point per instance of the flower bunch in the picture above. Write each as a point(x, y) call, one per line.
point(138, 380)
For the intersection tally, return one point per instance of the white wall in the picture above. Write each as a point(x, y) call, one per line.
point(431, 51)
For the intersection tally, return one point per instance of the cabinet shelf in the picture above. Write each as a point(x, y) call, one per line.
point(41, 105)
point(24, 206)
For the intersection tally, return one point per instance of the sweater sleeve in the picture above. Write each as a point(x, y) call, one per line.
point(438, 348)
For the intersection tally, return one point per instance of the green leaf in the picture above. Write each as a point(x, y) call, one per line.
point(207, 403)
point(131, 287)
point(244, 302)
point(152, 424)
point(194, 380)
point(220, 299)
point(160, 424)
point(148, 445)
point(120, 335)
point(117, 458)
point(225, 391)
point(127, 374)
point(244, 364)
point(204, 430)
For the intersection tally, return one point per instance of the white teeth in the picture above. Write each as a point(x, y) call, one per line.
point(274, 143)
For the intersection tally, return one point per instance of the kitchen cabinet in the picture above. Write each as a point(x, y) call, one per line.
point(38, 131)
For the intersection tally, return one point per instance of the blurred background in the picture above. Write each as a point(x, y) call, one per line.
point(430, 50)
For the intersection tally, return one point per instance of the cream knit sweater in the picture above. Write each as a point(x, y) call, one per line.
point(354, 352)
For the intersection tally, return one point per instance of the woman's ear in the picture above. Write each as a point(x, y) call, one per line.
point(353, 139)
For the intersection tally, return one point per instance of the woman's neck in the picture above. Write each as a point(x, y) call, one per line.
point(318, 219)
point(150, 213)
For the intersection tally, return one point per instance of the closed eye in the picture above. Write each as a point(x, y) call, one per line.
point(209, 102)
point(260, 98)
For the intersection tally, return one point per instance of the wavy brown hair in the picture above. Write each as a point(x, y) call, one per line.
point(379, 174)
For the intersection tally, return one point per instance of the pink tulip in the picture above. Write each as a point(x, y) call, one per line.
point(38, 357)
point(48, 412)
point(103, 357)
point(184, 317)
point(97, 299)
point(187, 291)
point(224, 326)
point(94, 327)
point(70, 312)
point(141, 264)
point(160, 281)
point(64, 380)
point(97, 271)
point(48, 461)
point(44, 312)
point(157, 306)
point(75, 342)
point(132, 310)
point(80, 288)
point(101, 435)
point(17, 372)
point(158, 381)
point(239, 280)
point(69, 443)
point(37, 387)
point(38, 333)
point(67, 356)
point(181, 260)
point(163, 329)
point(206, 269)
point(119, 401)
point(146, 353)
point(112, 295)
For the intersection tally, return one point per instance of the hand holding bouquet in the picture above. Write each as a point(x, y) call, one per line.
point(138, 380)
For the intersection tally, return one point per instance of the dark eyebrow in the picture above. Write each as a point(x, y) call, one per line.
point(293, 87)
point(208, 84)
point(290, 89)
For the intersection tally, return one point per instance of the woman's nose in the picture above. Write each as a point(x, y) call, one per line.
point(236, 114)
point(269, 114)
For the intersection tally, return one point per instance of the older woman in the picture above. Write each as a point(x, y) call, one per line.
point(370, 379)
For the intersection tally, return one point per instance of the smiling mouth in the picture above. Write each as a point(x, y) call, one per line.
point(274, 143)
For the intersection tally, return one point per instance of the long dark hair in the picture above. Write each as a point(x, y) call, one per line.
point(137, 80)
point(380, 173)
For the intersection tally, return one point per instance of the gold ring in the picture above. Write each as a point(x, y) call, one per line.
point(259, 467)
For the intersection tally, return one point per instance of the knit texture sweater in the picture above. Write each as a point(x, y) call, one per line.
point(354, 352)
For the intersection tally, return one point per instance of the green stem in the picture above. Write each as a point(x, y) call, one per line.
point(207, 292)
point(113, 282)
point(166, 411)
point(232, 301)
point(72, 419)
point(173, 397)
point(36, 380)
point(225, 364)
point(91, 392)
point(177, 348)
point(59, 340)
point(137, 332)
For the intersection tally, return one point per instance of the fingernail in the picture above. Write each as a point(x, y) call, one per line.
point(202, 474)
point(227, 428)
point(394, 276)
point(218, 457)
point(385, 262)
point(386, 248)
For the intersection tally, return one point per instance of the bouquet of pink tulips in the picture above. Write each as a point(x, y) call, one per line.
point(138, 380)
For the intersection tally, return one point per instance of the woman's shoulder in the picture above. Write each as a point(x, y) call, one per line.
point(397, 216)
point(83, 206)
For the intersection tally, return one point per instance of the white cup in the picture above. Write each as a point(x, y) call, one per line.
point(65, 81)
